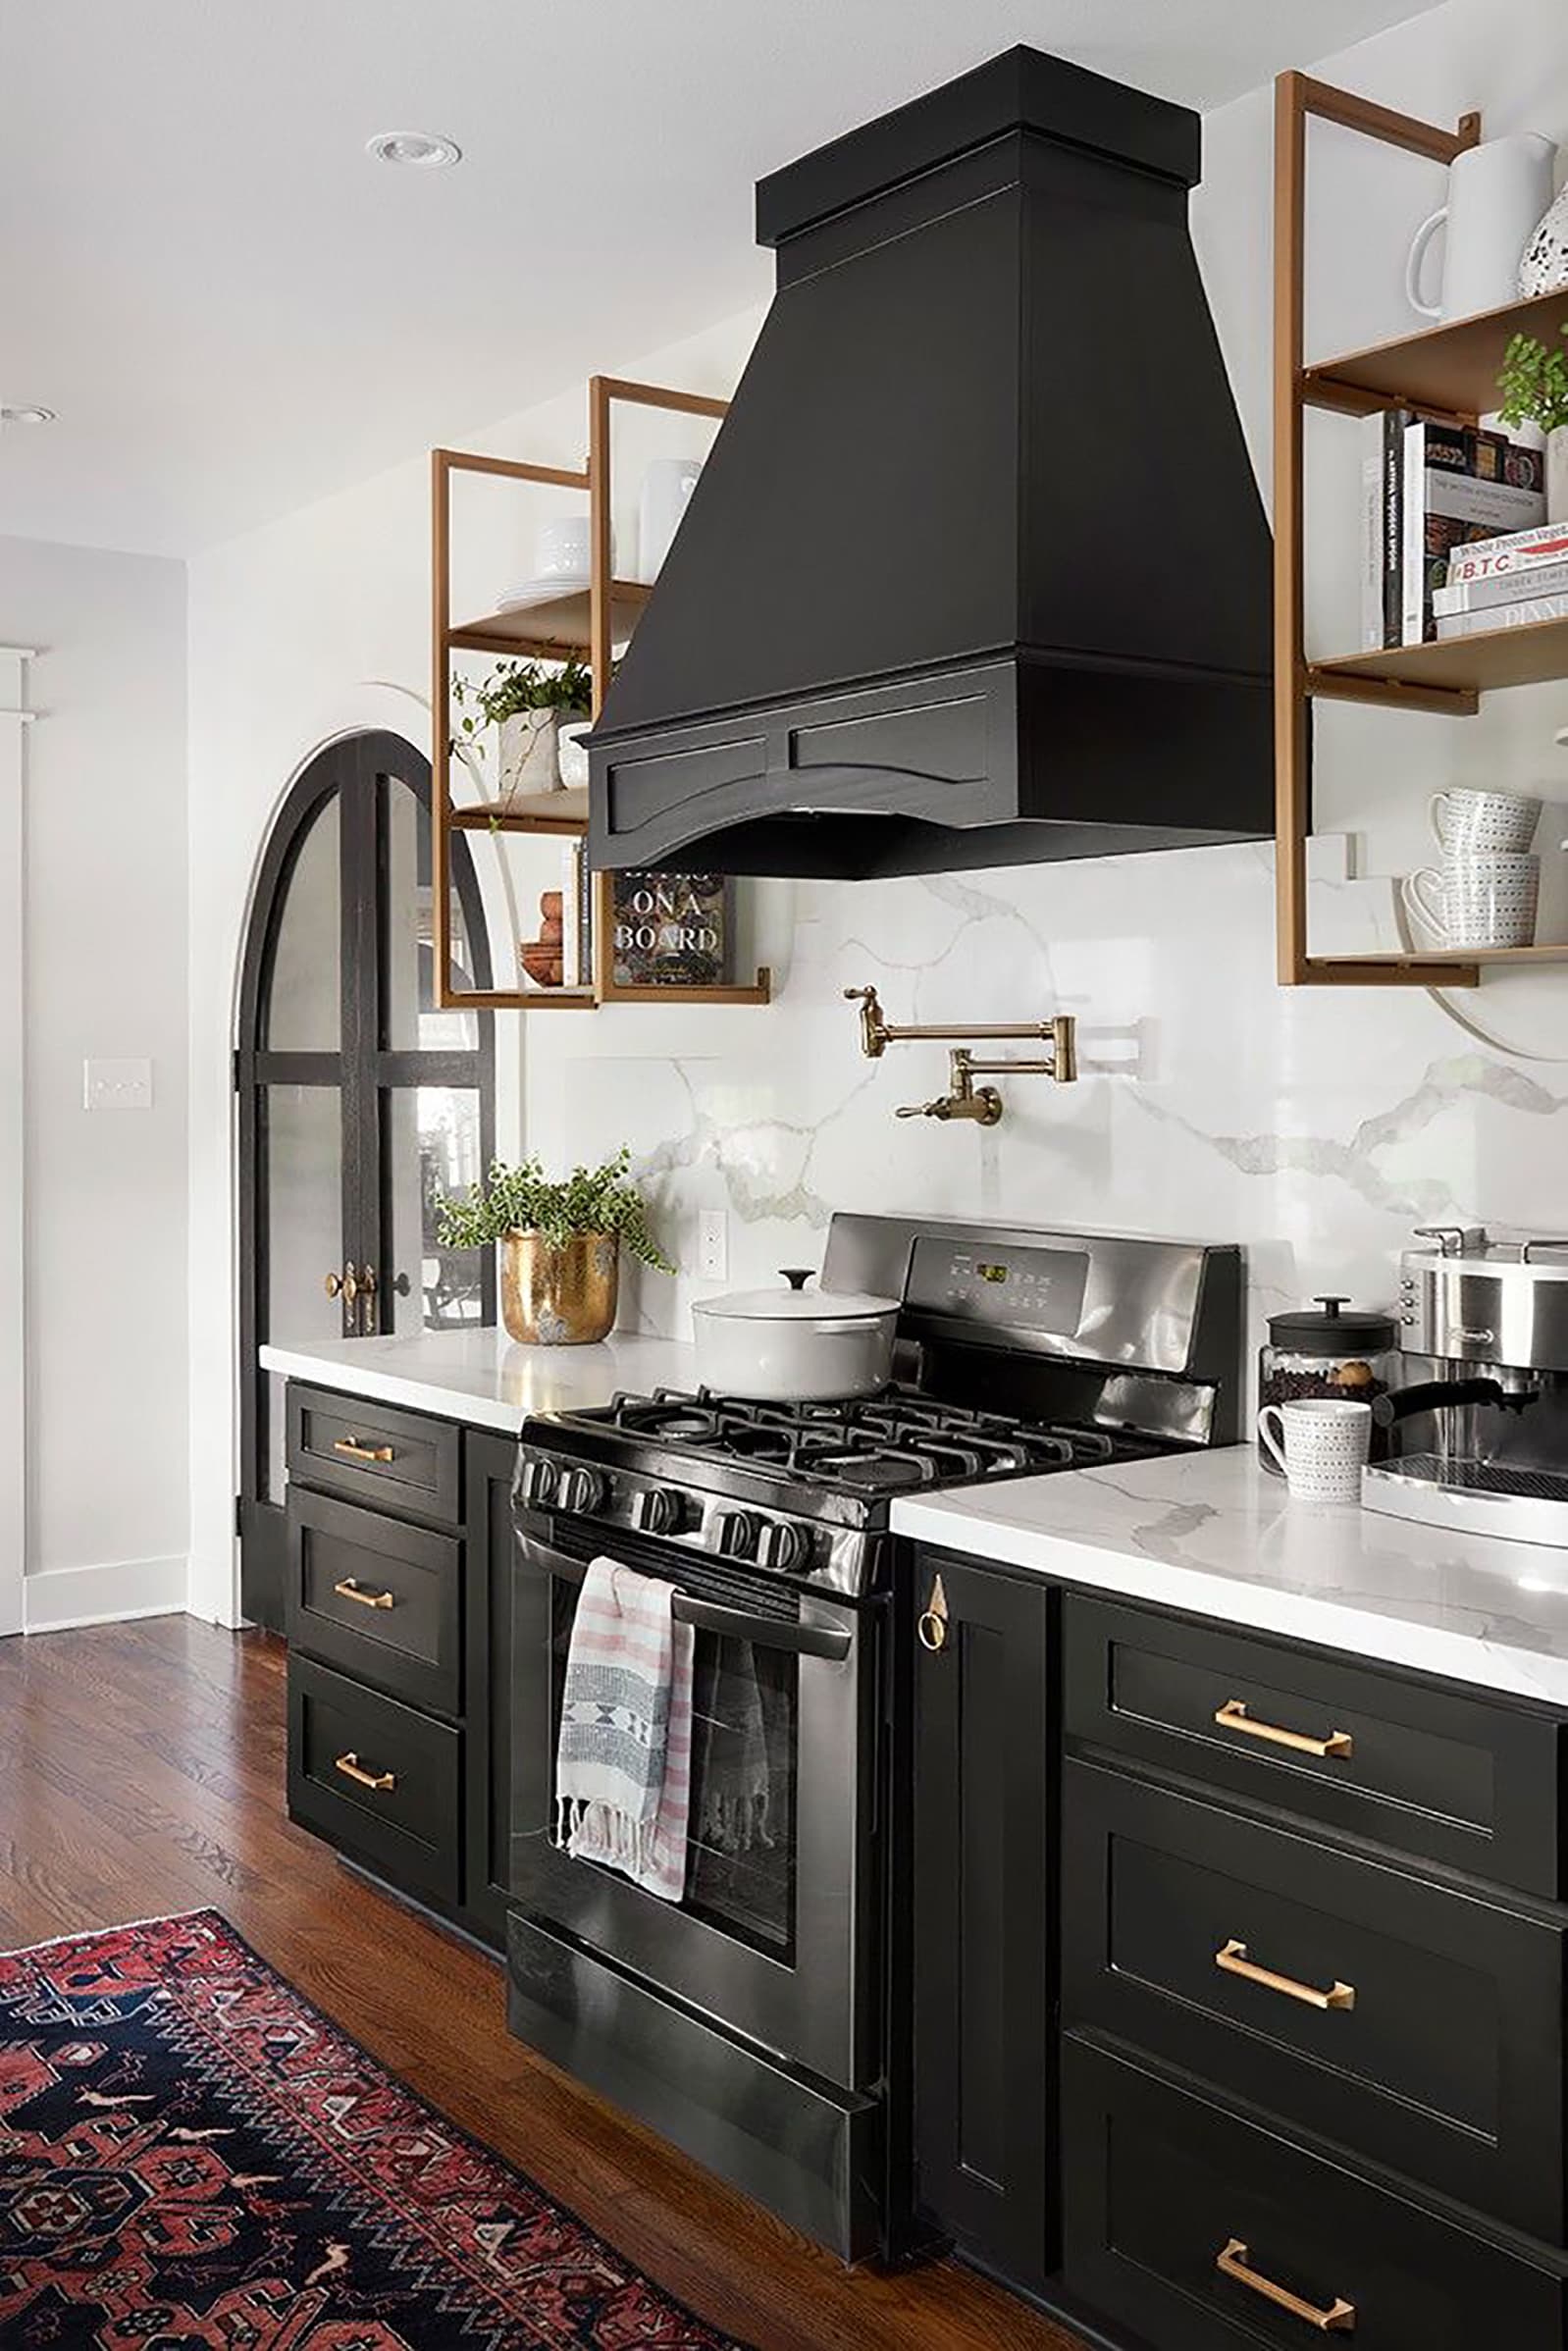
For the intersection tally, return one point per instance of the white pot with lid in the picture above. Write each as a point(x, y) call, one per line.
point(795, 1346)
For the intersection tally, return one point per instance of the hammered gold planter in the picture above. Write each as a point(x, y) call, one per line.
point(559, 1294)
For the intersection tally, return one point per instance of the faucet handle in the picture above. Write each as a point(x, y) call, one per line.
point(924, 1110)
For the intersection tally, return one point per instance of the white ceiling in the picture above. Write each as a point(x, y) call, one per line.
point(235, 311)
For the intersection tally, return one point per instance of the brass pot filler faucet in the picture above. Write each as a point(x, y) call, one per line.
point(964, 1099)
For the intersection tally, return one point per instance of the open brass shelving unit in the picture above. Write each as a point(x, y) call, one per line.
point(587, 624)
point(1449, 373)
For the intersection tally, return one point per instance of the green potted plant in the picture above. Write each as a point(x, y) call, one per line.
point(526, 702)
point(560, 1242)
point(1533, 382)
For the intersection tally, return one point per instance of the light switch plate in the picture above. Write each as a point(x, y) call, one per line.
point(117, 1086)
point(713, 1244)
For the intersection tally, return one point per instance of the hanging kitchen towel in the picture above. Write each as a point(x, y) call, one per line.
point(623, 1764)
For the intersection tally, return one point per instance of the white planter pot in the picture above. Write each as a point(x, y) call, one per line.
point(529, 759)
point(1558, 474)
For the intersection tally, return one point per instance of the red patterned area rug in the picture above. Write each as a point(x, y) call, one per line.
point(191, 2155)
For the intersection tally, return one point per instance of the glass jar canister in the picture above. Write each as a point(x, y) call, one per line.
point(1341, 1351)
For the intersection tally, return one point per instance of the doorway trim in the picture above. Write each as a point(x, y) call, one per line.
point(15, 719)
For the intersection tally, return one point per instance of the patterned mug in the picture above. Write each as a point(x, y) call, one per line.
point(1478, 899)
point(1322, 1447)
point(1465, 821)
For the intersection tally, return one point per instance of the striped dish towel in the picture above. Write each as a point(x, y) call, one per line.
point(623, 1766)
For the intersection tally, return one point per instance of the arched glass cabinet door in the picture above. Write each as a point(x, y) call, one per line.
point(361, 1102)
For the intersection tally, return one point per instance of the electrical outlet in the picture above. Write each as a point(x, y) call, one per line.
point(713, 1244)
point(117, 1086)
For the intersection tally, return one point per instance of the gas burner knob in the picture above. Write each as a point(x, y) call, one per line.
point(581, 1490)
point(536, 1481)
point(736, 1533)
point(655, 1510)
point(783, 1546)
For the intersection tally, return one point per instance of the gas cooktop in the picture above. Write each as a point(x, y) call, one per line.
point(885, 1443)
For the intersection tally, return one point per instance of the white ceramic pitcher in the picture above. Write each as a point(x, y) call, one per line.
point(1496, 194)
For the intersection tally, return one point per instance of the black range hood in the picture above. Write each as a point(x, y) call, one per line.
point(977, 571)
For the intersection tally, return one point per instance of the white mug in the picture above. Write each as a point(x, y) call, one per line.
point(1498, 192)
point(1466, 821)
point(1478, 899)
point(1322, 1447)
point(563, 548)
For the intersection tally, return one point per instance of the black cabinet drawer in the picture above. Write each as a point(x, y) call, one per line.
point(1164, 2188)
point(376, 1778)
point(374, 1453)
point(377, 1596)
point(1410, 2023)
point(1452, 1779)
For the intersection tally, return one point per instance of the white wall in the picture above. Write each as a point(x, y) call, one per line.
point(1314, 1126)
point(105, 975)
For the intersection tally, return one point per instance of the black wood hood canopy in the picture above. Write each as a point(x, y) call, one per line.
point(977, 571)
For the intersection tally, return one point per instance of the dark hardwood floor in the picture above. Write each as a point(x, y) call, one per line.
point(141, 1773)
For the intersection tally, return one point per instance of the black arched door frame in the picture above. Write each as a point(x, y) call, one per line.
point(355, 771)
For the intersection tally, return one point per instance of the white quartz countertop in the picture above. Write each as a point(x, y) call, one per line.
point(1215, 1536)
point(483, 1377)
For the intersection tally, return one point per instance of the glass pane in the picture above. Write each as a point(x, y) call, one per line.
point(434, 1147)
point(740, 1845)
point(305, 1011)
point(302, 1127)
point(410, 1021)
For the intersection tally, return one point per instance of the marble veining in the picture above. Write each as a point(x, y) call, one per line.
point(482, 1376)
point(1215, 1535)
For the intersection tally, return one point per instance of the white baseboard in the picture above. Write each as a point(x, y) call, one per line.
point(103, 1593)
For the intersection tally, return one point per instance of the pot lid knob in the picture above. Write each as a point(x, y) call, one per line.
point(1331, 1306)
point(796, 1276)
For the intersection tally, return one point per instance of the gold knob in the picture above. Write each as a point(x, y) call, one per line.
point(332, 1285)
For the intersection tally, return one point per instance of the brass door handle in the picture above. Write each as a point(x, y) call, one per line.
point(379, 1783)
point(931, 1624)
point(1234, 1716)
point(1231, 1960)
point(1232, 2261)
point(345, 1285)
point(348, 1590)
point(367, 1312)
point(355, 1451)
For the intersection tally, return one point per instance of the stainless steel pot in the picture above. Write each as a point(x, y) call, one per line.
point(795, 1344)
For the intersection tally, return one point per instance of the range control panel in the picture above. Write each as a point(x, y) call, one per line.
point(1010, 1286)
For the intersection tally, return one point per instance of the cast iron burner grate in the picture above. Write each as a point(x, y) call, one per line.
point(1482, 1477)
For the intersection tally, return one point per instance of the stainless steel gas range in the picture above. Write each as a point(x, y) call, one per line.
point(748, 2021)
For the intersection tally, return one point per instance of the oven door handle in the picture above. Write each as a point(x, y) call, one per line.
point(832, 1643)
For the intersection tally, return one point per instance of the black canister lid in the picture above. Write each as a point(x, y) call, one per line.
point(1339, 1329)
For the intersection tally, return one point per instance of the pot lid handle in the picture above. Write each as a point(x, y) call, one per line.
point(796, 1276)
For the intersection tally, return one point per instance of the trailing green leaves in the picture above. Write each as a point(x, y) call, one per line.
point(524, 1199)
point(1533, 382)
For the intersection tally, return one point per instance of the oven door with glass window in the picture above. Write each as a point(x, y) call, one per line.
point(774, 1937)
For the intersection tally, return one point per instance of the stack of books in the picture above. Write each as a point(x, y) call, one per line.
point(1429, 493)
point(1504, 583)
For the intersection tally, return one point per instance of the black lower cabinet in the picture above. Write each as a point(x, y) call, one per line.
point(1192, 2230)
point(983, 1974)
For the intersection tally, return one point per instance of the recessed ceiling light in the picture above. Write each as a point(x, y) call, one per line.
point(425, 149)
point(26, 416)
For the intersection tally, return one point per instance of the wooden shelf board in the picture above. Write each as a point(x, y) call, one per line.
point(554, 629)
point(521, 1000)
point(526, 820)
point(1453, 368)
point(1520, 656)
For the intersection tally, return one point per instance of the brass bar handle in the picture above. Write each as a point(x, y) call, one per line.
point(1231, 1960)
point(379, 1783)
point(1234, 1716)
point(355, 1451)
point(348, 1590)
point(1233, 2261)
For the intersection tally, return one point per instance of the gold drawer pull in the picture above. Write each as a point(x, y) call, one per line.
point(348, 1590)
point(1339, 2318)
point(1232, 1960)
point(1234, 1716)
point(358, 1452)
point(379, 1783)
point(931, 1624)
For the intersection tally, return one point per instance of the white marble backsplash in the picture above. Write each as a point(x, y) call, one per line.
point(1316, 1126)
